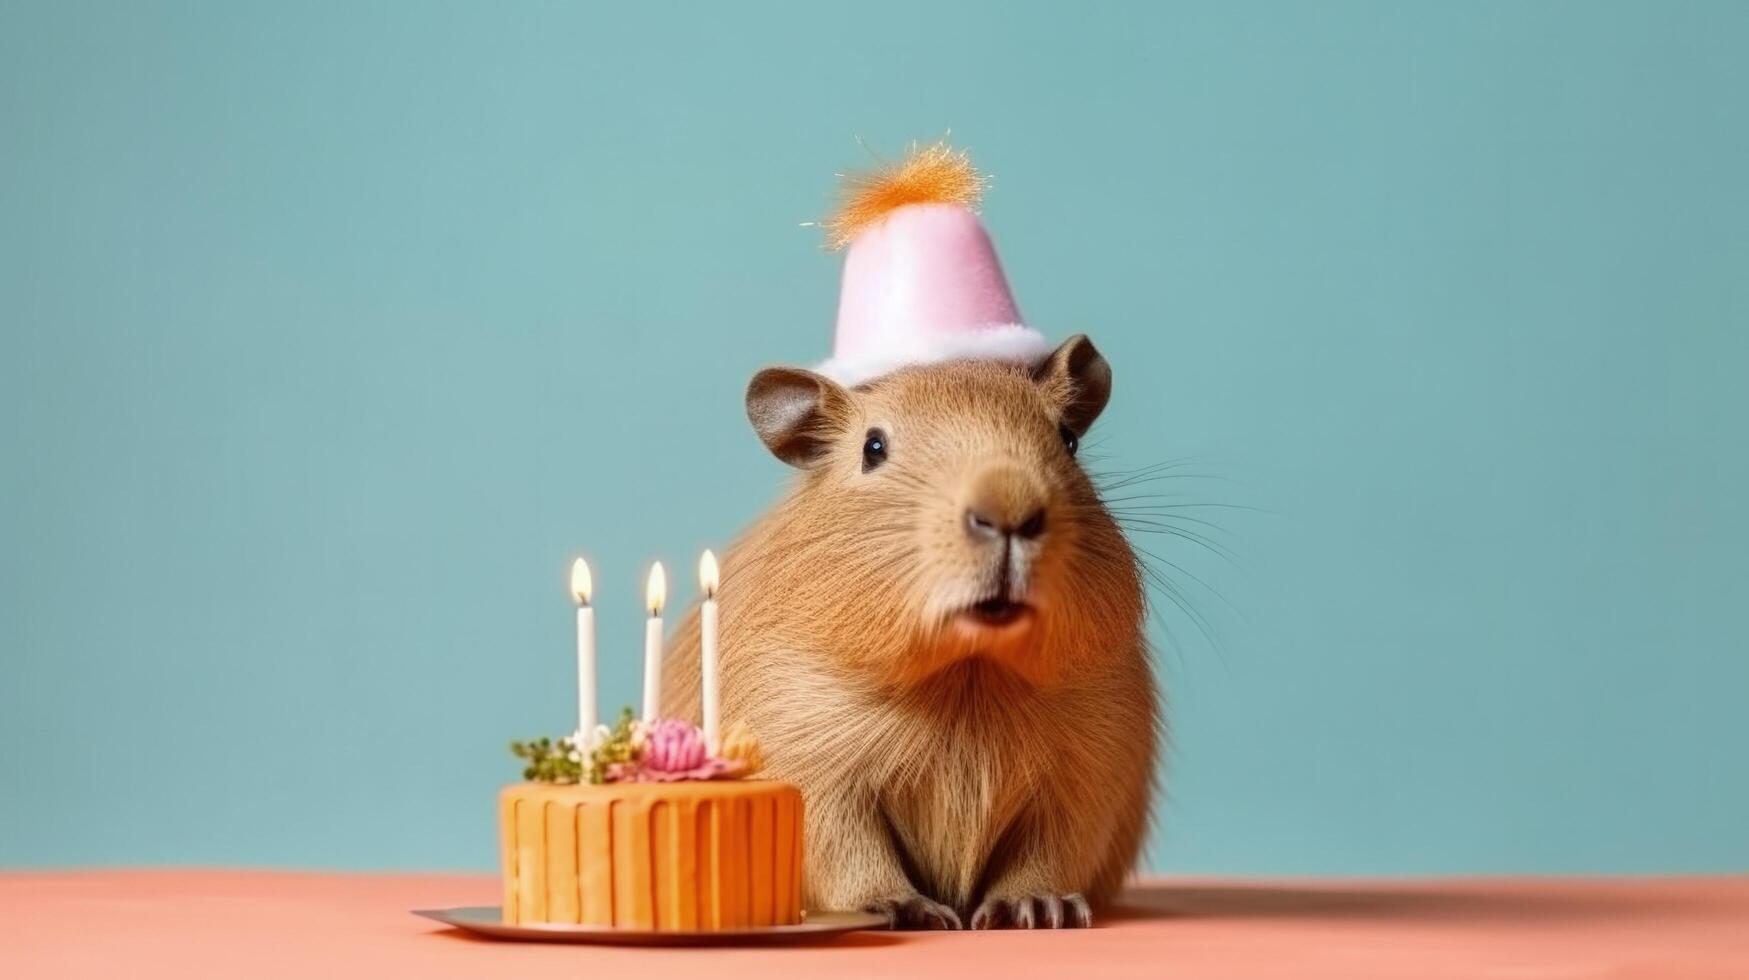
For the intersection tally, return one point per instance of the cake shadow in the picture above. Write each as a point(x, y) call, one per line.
point(1458, 902)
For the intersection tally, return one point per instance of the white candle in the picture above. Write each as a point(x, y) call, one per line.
point(707, 650)
point(581, 586)
point(655, 594)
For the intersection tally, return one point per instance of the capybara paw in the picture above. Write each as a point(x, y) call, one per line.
point(1047, 910)
point(914, 912)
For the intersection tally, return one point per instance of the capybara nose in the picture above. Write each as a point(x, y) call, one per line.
point(982, 525)
point(1005, 502)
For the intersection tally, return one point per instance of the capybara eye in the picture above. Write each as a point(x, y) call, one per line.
point(1071, 441)
point(874, 449)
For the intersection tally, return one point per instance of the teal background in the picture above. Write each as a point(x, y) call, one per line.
point(331, 332)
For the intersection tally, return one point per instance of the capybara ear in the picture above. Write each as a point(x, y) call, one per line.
point(1078, 375)
point(797, 413)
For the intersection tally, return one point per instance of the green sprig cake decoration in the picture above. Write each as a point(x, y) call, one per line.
point(548, 761)
point(620, 746)
point(565, 761)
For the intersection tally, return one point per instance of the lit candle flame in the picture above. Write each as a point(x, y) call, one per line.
point(581, 583)
point(707, 574)
point(657, 592)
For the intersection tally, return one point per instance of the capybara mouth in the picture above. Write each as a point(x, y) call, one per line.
point(997, 611)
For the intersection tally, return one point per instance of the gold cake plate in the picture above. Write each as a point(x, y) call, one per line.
point(488, 920)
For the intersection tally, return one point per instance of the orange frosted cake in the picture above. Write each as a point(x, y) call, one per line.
point(692, 855)
point(643, 826)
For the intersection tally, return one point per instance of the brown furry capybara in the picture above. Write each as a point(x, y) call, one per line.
point(938, 635)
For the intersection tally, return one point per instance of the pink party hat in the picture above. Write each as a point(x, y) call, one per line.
point(922, 283)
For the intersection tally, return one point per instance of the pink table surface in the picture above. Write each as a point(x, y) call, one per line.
point(292, 924)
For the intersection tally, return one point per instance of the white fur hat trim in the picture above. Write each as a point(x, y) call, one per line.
point(1011, 342)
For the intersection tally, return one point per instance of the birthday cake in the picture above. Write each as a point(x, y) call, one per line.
point(646, 828)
